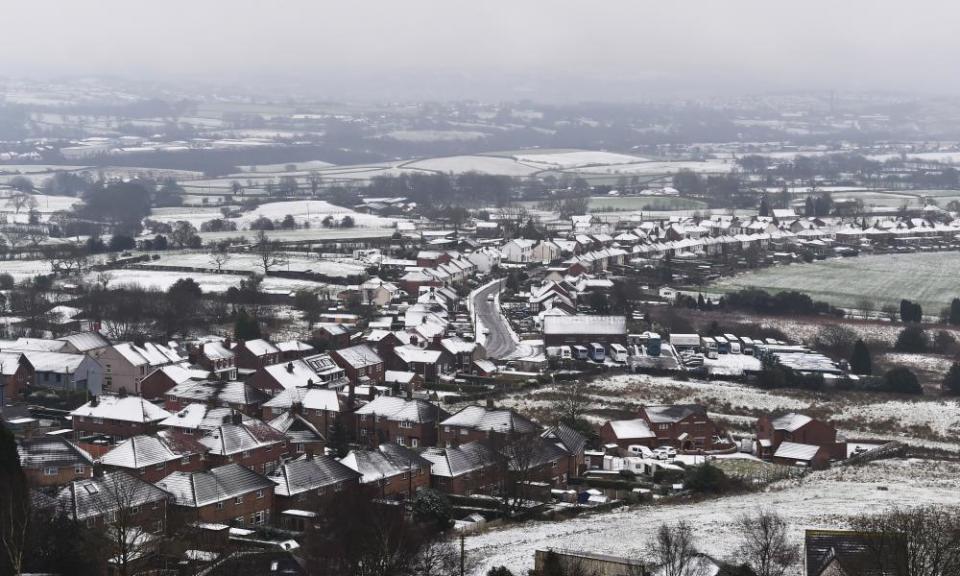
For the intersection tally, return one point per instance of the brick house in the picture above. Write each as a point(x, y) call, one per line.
point(125, 365)
point(626, 433)
point(393, 419)
point(294, 350)
point(810, 455)
point(361, 363)
point(303, 437)
point(230, 494)
point(118, 417)
point(15, 375)
point(683, 426)
point(479, 423)
point(800, 429)
point(320, 406)
point(462, 353)
point(309, 482)
point(239, 396)
point(571, 442)
point(391, 470)
point(255, 354)
point(584, 330)
point(471, 468)
point(217, 357)
point(252, 443)
point(428, 364)
point(198, 419)
point(332, 336)
point(53, 461)
point(157, 383)
point(150, 458)
point(316, 370)
point(116, 500)
point(384, 341)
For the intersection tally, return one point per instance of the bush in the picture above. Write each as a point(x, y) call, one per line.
point(902, 381)
point(860, 362)
point(951, 382)
point(912, 339)
point(6, 281)
point(706, 479)
point(835, 339)
point(499, 571)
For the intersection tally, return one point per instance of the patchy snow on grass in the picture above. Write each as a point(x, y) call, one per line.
point(296, 262)
point(654, 168)
point(312, 211)
point(925, 362)
point(821, 500)
point(436, 135)
point(215, 283)
point(24, 269)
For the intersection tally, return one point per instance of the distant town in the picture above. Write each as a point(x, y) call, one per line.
point(249, 337)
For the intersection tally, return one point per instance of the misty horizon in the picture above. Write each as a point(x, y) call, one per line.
point(432, 50)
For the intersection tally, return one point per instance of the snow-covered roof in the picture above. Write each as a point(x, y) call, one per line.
point(629, 429)
point(98, 496)
point(198, 416)
point(54, 361)
point(607, 325)
point(359, 356)
point(402, 410)
point(790, 422)
point(51, 451)
point(197, 489)
point(386, 461)
point(230, 438)
point(309, 398)
point(124, 408)
point(796, 451)
point(216, 392)
point(305, 474)
point(150, 354)
point(260, 347)
point(294, 346)
point(86, 341)
point(409, 354)
point(453, 462)
point(492, 419)
point(457, 345)
point(142, 451)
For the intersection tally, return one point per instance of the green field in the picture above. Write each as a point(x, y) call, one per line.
point(930, 278)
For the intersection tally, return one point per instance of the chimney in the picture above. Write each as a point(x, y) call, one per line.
point(97, 469)
point(410, 390)
point(94, 401)
point(290, 367)
point(237, 417)
point(490, 405)
point(309, 382)
point(371, 392)
point(296, 408)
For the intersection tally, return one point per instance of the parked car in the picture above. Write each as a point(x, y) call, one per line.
point(665, 453)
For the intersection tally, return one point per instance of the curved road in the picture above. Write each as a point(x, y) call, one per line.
point(499, 344)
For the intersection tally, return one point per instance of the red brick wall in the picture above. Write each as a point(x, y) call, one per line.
point(37, 478)
point(153, 474)
point(83, 425)
point(314, 500)
point(255, 460)
point(229, 510)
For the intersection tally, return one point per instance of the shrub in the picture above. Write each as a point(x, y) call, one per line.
point(902, 381)
point(860, 362)
point(706, 479)
point(951, 382)
point(912, 339)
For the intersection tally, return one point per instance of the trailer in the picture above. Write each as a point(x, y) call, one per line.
point(618, 353)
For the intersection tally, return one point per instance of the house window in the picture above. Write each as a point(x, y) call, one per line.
point(158, 527)
point(160, 466)
point(79, 469)
point(406, 424)
point(134, 509)
point(97, 420)
point(414, 442)
point(338, 487)
point(246, 454)
point(400, 441)
point(663, 426)
point(219, 505)
point(238, 500)
point(300, 449)
point(91, 521)
point(239, 520)
point(185, 460)
point(320, 491)
point(464, 432)
point(260, 493)
point(51, 471)
point(257, 518)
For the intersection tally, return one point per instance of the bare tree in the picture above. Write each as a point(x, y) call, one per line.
point(123, 500)
point(439, 558)
point(674, 552)
point(67, 259)
point(765, 545)
point(219, 257)
point(922, 541)
point(22, 201)
point(268, 252)
point(572, 403)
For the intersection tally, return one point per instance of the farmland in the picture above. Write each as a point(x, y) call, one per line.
point(927, 278)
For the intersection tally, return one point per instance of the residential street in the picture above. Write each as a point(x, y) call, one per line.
point(499, 344)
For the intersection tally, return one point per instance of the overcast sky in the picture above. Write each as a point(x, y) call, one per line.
point(542, 49)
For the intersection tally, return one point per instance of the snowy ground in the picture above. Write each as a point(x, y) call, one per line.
point(485, 164)
point(820, 500)
point(577, 158)
point(23, 269)
point(303, 211)
point(665, 167)
point(296, 262)
point(208, 282)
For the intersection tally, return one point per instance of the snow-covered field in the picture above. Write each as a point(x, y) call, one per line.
point(23, 269)
point(436, 135)
point(578, 158)
point(303, 211)
point(485, 164)
point(820, 500)
point(296, 262)
point(659, 167)
point(306, 165)
point(215, 283)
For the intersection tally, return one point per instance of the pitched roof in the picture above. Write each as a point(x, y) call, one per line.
point(230, 438)
point(636, 428)
point(796, 451)
point(566, 437)
point(294, 346)
point(260, 347)
point(101, 495)
point(496, 420)
point(790, 422)
point(297, 428)
point(179, 373)
point(399, 409)
point(142, 451)
point(196, 416)
point(305, 474)
point(86, 341)
point(457, 345)
point(150, 354)
point(217, 392)
point(197, 489)
point(408, 354)
point(386, 461)
point(673, 412)
point(453, 462)
point(51, 451)
point(359, 356)
point(309, 398)
point(853, 551)
point(54, 361)
point(124, 408)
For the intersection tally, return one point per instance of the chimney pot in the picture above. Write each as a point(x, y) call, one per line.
point(290, 367)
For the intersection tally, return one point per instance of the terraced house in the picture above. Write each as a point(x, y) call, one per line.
point(117, 417)
point(125, 366)
point(249, 442)
point(53, 461)
point(151, 458)
point(410, 422)
point(231, 494)
point(310, 481)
